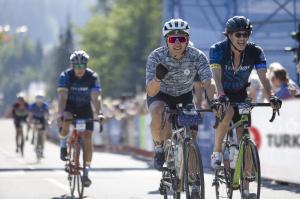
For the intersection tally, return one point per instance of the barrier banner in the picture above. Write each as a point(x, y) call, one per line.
point(278, 142)
point(205, 138)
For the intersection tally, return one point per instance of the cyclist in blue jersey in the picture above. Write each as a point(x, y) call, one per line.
point(232, 61)
point(38, 116)
point(78, 88)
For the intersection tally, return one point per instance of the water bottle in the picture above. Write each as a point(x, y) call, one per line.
point(233, 155)
point(178, 158)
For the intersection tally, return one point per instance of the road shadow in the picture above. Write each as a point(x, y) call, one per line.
point(271, 184)
point(63, 169)
point(68, 197)
point(154, 192)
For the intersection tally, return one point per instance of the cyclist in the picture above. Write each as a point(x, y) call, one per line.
point(232, 61)
point(20, 114)
point(78, 87)
point(170, 74)
point(39, 115)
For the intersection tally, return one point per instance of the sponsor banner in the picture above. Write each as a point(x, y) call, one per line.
point(205, 138)
point(278, 142)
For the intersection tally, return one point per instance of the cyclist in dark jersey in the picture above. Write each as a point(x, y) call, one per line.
point(20, 114)
point(78, 87)
point(232, 61)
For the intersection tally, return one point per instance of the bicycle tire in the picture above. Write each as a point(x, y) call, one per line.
point(199, 182)
point(38, 148)
point(80, 186)
point(253, 180)
point(70, 169)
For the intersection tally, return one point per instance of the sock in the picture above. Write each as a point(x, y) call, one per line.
point(63, 141)
point(87, 168)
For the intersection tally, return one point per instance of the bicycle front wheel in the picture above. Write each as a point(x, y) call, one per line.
point(70, 169)
point(38, 148)
point(193, 171)
point(250, 171)
point(81, 168)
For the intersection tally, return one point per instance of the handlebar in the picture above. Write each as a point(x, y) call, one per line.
point(167, 110)
point(252, 105)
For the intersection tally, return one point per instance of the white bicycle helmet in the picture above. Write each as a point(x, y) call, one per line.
point(79, 57)
point(176, 24)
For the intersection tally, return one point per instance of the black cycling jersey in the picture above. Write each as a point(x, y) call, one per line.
point(79, 89)
point(220, 57)
point(20, 114)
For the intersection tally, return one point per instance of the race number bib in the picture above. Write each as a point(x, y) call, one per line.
point(80, 125)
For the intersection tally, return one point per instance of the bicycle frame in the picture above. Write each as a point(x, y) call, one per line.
point(245, 111)
point(74, 141)
point(180, 136)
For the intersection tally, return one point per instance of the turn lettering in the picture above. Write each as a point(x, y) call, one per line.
point(284, 140)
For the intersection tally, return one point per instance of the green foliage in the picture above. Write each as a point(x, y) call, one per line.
point(19, 65)
point(119, 42)
point(58, 60)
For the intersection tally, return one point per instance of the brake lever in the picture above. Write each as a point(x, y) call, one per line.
point(273, 115)
point(100, 128)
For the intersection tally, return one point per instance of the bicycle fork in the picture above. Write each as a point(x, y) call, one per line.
point(236, 175)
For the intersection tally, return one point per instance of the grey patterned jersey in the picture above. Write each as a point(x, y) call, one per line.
point(180, 77)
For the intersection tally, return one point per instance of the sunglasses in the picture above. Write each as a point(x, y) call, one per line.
point(239, 35)
point(79, 66)
point(181, 39)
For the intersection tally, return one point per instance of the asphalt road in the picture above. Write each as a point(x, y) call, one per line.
point(114, 176)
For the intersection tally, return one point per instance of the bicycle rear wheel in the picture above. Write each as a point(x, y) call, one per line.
point(250, 176)
point(193, 171)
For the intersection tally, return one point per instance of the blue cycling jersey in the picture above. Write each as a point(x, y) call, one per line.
point(39, 111)
point(79, 89)
point(220, 57)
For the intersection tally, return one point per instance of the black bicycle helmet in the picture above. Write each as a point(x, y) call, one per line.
point(79, 57)
point(238, 23)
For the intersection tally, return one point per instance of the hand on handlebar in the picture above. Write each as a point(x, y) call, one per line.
point(275, 102)
point(101, 118)
point(219, 106)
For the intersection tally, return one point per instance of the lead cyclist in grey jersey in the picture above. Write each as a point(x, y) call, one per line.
point(170, 74)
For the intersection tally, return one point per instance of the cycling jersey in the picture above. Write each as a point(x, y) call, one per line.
point(20, 114)
point(79, 89)
point(220, 57)
point(39, 111)
point(19, 111)
point(181, 75)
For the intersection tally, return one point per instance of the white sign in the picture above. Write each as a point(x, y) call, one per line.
point(279, 141)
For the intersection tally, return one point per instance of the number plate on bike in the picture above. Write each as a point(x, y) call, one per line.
point(189, 118)
point(80, 125)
